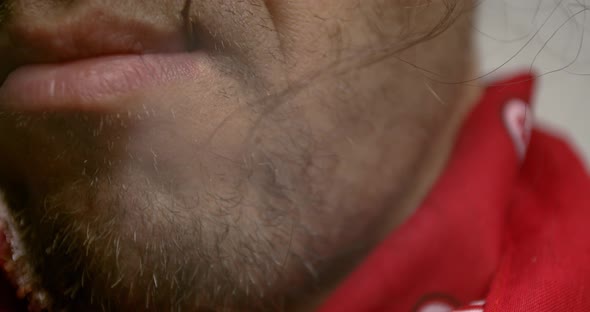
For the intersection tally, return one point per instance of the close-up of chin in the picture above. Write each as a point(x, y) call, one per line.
point(294, 155)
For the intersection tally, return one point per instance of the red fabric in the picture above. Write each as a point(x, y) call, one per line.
point(515, 232)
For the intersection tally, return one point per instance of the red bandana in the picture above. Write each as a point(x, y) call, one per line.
point(506, 228)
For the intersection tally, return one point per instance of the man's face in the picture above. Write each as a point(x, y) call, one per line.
point(214, 154)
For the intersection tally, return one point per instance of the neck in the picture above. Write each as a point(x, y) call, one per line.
point(434, 161)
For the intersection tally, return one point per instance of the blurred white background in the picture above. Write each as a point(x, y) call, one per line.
point(553, 38)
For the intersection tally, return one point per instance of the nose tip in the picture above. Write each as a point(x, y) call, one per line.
point(47, 31)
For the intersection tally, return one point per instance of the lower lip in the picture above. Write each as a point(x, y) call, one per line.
point(92, 84)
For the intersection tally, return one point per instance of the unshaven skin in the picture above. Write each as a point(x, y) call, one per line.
point(253, 178)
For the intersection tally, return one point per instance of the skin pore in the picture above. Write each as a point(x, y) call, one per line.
point(309, 132)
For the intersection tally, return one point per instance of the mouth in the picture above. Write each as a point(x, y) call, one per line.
point(87, 62)
point(93, 84)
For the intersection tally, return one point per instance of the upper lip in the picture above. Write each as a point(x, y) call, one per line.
point(93, 34)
